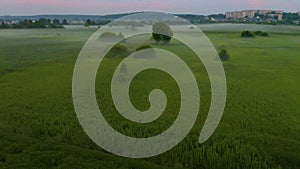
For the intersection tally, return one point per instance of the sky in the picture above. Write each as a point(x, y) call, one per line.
point(102, 7)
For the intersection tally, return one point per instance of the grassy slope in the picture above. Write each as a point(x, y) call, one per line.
point(39, 129)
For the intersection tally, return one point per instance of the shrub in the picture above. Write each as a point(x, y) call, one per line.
point(111, 36)
point(247, 34)
point(223, 55)
point(143, 47)
point(118, 50)
point(258, 33)
point(264, 34)
point(261, 33)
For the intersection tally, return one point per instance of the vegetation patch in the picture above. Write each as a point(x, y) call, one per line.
point(111, 36)
point(224, 56)
point(261, 33)
point(247, 34)
point(39, 128)
point(119, 51)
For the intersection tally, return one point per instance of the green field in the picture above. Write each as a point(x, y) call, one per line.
point(259, 129)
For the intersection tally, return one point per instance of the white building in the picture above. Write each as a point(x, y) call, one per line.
point(241, 14)
point(251, 14)
point(235, 14)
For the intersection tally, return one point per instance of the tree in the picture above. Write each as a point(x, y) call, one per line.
point(89, 22)
point(258, 33)
point(161, 31)
point(65, 22)
point(56, 22)
point(264, 34)
point(247, 34)
point(156, 37)
point(142, 47)
point(118, 50)
point(223, 55)
point(261, 33)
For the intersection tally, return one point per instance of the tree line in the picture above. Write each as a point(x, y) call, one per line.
point(41, 23)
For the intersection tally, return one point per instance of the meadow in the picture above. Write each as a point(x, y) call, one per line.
point(259, 129)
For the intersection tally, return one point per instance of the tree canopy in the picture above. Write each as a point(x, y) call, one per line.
point(162, 32)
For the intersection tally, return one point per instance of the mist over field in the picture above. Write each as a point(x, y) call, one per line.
point(96, 84)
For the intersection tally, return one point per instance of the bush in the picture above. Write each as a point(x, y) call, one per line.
point(264, 34)
point(258, 33)
point(223, 55)
point(118, 50)
point(143, 47)
point(111, 36)
point(247, 34)
point(261, 33)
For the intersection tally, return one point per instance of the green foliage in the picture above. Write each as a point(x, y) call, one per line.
point(258, 33)
point(39, 128)
point(56, 22)
point(247, 34)
point(41, 23)
point(111, 36)
point(118, 50)
point(264, 34)
point(157, 37)
point(261, 33)
point(143, 47)
point(64, 22)
point(223, 55)
point(162, 32)
point(291, 17)
point(90, 22)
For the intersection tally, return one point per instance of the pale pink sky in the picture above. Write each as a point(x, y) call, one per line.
point(99, 7)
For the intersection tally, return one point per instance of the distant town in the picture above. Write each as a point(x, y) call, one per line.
point(244, 16)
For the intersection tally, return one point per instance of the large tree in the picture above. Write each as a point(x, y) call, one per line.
point(162, 32)
point(65, 22)
point(56, 22)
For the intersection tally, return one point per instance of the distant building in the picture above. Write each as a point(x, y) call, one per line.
point(280, 17)
point(276, 14)
point(264, 12)
point(299, 13)
point(241, 14)
point(249, 13)
point(235, 15)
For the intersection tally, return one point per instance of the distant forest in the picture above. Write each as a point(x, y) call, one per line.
point(41, 23)
point(57, 21)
